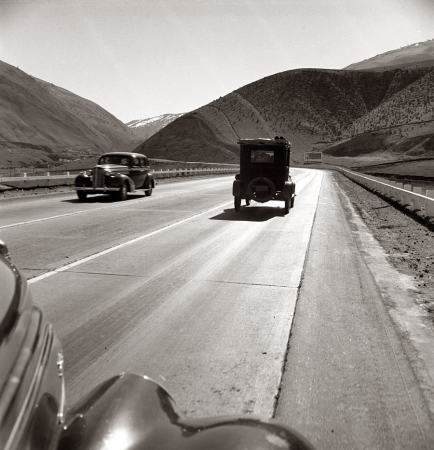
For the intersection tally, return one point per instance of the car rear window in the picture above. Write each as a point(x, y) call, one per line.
point(262, 156)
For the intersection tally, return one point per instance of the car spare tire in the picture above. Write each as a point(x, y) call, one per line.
point(261, 189)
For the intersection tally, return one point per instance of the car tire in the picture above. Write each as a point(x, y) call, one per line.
point(81, 195)
point(237, 203)
point(286, 205)
point(148, 192)
point(292, 201)
point(247, 201)
point(123, 192)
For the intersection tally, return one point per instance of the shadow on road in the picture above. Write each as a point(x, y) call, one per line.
point(250, 214)
point(100, 199)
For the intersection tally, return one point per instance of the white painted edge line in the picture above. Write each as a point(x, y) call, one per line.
point(119, 246)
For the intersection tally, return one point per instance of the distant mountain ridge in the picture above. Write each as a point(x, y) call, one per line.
point(145, 128)
point(421, 53)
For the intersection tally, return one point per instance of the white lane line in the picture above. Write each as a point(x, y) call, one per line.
point(124, 244)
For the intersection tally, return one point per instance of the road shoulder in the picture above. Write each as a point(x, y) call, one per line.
point(349, 380)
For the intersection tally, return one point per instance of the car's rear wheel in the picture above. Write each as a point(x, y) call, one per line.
point(247, 201)
point(237, 203)
point(123, 192)
point(81, 195)
point(292, 201)
point(286, 205)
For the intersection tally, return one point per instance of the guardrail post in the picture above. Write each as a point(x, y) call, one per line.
point(429, 208)
point(416, 203)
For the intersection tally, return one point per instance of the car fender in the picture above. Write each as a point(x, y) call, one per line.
point(288, 189)
point(137, 412)
point(236, 188)
point(82, 179)
point(149, 180)
point(120, 178)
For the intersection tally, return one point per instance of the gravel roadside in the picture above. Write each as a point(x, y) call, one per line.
point(408, 243)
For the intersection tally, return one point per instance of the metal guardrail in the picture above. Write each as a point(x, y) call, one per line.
point(25, 182)
point(415, 198)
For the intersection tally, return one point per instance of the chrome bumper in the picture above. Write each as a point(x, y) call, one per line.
point(100, 189)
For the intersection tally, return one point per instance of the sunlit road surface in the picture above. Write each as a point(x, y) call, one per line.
point(200, 298)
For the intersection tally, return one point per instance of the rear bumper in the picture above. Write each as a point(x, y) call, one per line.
point(97, 190)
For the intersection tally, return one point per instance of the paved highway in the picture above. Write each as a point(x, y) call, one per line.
point(180, 287)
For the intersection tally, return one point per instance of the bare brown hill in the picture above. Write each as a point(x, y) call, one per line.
point(401, 126)
point(352, 112)
point(42, 122)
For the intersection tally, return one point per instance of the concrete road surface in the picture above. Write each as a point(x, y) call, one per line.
point(180, 287)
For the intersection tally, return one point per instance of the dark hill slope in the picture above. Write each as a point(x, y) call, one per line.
point(190, 138)
point(401, 126)
point(36, 113)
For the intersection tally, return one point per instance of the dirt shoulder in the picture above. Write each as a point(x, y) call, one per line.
point(408, 243)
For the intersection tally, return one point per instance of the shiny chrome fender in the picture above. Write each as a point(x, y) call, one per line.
point(131, 411)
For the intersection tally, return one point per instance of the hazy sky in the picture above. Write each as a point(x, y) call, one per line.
point(142, 58)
